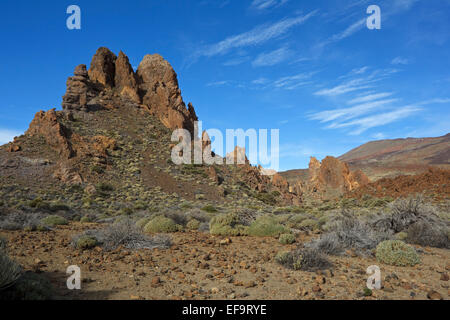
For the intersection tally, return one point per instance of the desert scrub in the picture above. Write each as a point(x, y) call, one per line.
point(304, 259)
point(142, 222)
point(309, 224)
point(31, 287)
point(10, 271)
point(52, 221)
point(86, 219)
point(86, 242)
point(38, 203)
point(397, 253)
point(161, 224)
point(227, 225)
point(287, 238)
point(209, 209)
point(193, 224)
point(266, 226)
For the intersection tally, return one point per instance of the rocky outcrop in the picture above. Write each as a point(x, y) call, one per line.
point(103, 67)
point(159, 90)
point(333, 177)
point(48, 126)
point(79, 91)
point(237, 157)
point(125, 78)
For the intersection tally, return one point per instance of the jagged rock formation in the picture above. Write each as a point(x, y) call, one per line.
point(333, 176)
point(116, 127)
point(158, 85)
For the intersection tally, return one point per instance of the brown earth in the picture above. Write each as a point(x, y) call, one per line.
point(434, 183)
point(198, 266)
point(390, 158)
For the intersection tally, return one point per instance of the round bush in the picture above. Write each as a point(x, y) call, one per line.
point(266, 227)
point(287, 238)
point(193, 224)
point(52, 221)
point(86, 242)
point(161, 224)
point(227, 225)
point(142, 222)
point(397, 253)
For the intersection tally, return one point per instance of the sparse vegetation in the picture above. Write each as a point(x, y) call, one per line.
point(287, 238)
point(161, 224)
point(227, 225)
point(52, 221)
point(304, 259)
point(86, 242)
point(209, 209)
point(10, 271)
point(266, 226)
point(397, 253)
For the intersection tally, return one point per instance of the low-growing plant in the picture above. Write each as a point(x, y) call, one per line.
point(193, 224)
point(10, 271)
point(228, 224)
point(209, 209)
point(30, 287)
point(304, 259)
point(161, 224)
point(266, 226)
point(86, 242)
point(52, 221)
point(287, 238)
point(397, 253)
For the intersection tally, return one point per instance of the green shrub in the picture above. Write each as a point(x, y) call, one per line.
point(52, 221)
point(209, 209)
point(161, 224)
point(266, 226)
point(142, 222)
point(86, 242)
point(85, 219)
point(397, 253)
point(193, 224)
point(9, 270)
point(309, 224)
point(367, 292)
point(401, 236)
point(287, 238)
point(38, 203)
point(58, 206)
point(303, 259)
point(227, 225)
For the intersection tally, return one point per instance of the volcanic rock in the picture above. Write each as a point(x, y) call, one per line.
point(125, 78)
point(103, 67)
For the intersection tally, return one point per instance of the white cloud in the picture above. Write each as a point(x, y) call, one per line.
point(399, 60)
point(272, 58)
point(256, 36)
point(349, 86)
point(266, 4)
point(295, 81)
point(7, 135)
point(370, 97)
point(217, 83)
point(363, 124)
point(344, 114)
point(260, 81)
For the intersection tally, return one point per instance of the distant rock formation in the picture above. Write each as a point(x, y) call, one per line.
point(154, 87)
point(333, 176)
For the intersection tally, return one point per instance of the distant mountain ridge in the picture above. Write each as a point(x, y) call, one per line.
point(389, 158)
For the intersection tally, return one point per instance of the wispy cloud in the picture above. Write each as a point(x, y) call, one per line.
point(266, 4)
point(295, 81)
point(272, 58)
point(218, 83)
point(363, 124)
point(344, 114)
point(256, 36)
point(370, 97)
point(357, 84)
point(399, 60)
point(7, 135)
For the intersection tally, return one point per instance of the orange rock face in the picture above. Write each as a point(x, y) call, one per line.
point(47, 125)
point(159, 89)
point(333, 175)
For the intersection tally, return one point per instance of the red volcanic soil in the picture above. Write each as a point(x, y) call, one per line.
point(434, 183)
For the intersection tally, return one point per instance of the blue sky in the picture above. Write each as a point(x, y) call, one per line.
point(309, 68)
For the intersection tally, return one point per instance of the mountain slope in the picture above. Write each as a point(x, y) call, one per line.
point(389, 158)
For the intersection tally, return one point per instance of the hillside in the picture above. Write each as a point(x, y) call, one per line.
point(389, 158)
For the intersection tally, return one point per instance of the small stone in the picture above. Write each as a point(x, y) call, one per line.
point(215, 290)
point(444, 277)
point(434, 295)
